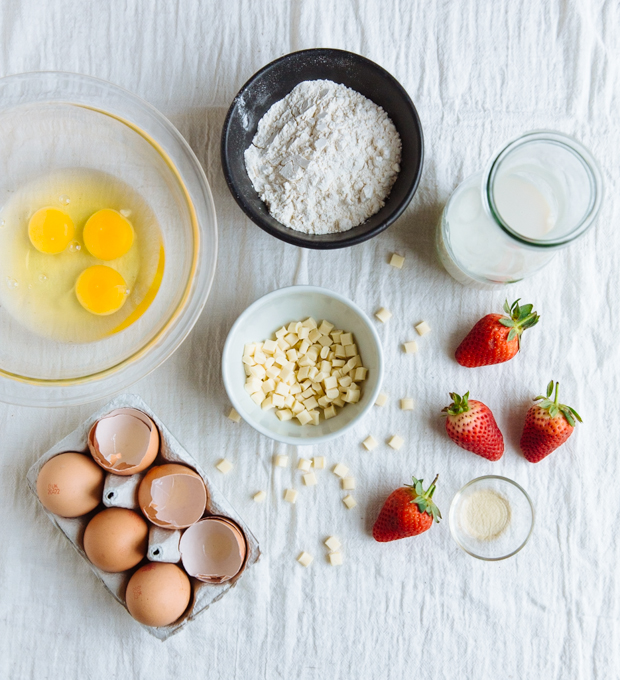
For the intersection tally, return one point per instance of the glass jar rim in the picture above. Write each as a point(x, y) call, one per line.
point(570, 144)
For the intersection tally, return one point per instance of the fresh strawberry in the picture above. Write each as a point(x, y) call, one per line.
point(408, 511)
point(496, 338)
point(547, 426)
point(471, 425)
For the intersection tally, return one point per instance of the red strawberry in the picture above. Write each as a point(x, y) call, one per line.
point(547, 426)
point(408, 511)
point(496, 338)
point(471, 425)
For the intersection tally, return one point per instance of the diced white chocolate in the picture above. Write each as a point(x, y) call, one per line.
point(295, 389)
point(289, 400)
point(260, 357)
point(330, 382)
point(423, 328)
point(304, 417)
point(267, 403)
point(352, 396)
point(281, 461)
point(339, 351)
point(258, 371)
point(324, 353)
point(224, 466)
point(348, 483)
point(309, 479)
point(304, 464)
point(410, 347)
point(305, 559)
point(336, 335)
point(314, 335)
point(310, 403)
point(370, 443)
point(281, 333)
point(249, 349)
point(338, 363)
point(291, 354)
point(338, 402)
point(326, 328)
point(283, 389)
point(382, 399)
point(396, 442)
point(248, 361)
point(406, 404)
point(340, 470)
point(259, 496)
point(383, 315)
point(329, 412)
point(290, 496)
point(349, 501)
point(284, 414)
point(346, 339)
point(397, 261)
point(335, 558)
point(277, 400)
point(350, 350)
point(297, 407)
point(234, 416)
point(258, 397)
point(332, 394)
point(309, 323)
point(269, 385)
point(253, 385)
point(360, 373)
point(345, 381)
point(325, 341)
point(318, 462)
point(270, 346)
point(333, 543)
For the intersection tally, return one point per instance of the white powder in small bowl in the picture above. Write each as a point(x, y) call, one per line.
point(324, 158)
point(485, 515)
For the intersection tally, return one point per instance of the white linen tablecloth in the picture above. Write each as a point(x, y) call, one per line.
point(479, 73)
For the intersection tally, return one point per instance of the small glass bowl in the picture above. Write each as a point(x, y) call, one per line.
point(509, 537)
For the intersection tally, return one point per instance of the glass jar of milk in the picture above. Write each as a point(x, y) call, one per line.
point(537, 195)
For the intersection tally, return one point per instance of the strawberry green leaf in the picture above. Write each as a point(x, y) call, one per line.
point(512, 335)
point(549, 389)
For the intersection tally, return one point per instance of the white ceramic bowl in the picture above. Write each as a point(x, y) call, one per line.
point(260, 321)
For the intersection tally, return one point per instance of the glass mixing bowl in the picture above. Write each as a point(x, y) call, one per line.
point(51, 121)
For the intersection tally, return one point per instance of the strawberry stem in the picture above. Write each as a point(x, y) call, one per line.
point(555, 408)
point(423, 499)
point(518, 319)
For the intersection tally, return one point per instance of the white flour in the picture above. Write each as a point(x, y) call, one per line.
point(324, 158)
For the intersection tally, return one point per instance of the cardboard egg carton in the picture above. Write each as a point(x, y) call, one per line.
point(171, 451)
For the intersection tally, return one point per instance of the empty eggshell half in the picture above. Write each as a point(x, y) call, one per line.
point(213, 550)
point(172, 496)
point(124, 442)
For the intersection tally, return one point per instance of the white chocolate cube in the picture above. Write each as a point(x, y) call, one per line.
point(348, 483)
point(382, 399)
point(335, 558)
point(396, 442)
point(304, 464)
point(290, 496)
point(349, 501)
point(370, 443)
point(281, 461)
point(309, 479)
point(406, 404)
point(383, 314)
point(410, 347)
point(224, 466)
point(333, 543)
point(318, 462)
point(423, 328)
point(340, 470)
point(259, 496)
point(305, 559)
point(234, 416)
point(397, 261)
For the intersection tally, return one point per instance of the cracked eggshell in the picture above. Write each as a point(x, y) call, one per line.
point(213, 550)
point(172, 496)
point(70, 484)
point(124, 441)
point(158, 594)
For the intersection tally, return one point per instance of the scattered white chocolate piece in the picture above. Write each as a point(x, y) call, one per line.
point(410, 347)
point(259, 496)
point(281, 461)
point(396, 442)
point(234, 416)
point(349, 501)
point(382, 399)
point(224, 466)
point(397, 261)
point(309, 479)
point(335, 559)
point(370, 443)
point(290, 496)
point(304, 464)
point(333, 543)
point(406, 404)
point(305, 559)
point(423, 328)
point(383, 315)
point(319, 462)
point(348, 483)
point(340, 470)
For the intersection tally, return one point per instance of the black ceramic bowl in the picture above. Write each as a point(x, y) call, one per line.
point(273, 83)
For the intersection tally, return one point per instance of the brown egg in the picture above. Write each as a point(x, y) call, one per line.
point(172, 496)
point(158, 594)
point(116, 539)
point(213, 550)
point(70, 484)
point(124, 442)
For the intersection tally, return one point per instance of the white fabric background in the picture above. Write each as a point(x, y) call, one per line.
point(479, 73)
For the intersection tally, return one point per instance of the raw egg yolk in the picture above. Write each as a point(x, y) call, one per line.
point(101, 290)
point(108, 235)
point(50, 230)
